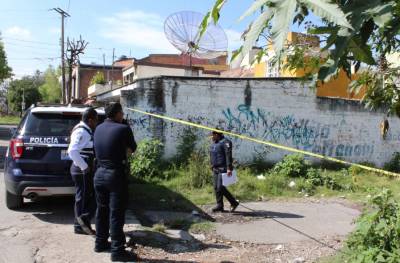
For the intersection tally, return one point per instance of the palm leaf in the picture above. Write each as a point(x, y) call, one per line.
point(283, 14)
point(255, 30)
point(328, 11)
point(253, 8)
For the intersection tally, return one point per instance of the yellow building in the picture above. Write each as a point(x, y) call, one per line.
point(335, 88)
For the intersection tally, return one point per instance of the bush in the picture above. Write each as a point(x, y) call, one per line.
point(315, 178)
point(276, 183)
point(147, 159)
point(186, 146)
point(198, 171)
point(377, 237)
point(198, 168)
point(292, 166)
point(98, 79)
point(394, 164)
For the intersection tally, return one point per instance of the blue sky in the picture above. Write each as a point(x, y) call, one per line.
point(31, 33)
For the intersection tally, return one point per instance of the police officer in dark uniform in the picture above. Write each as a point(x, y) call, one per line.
point(221, 162)
point(80, 151)
point(113, 140)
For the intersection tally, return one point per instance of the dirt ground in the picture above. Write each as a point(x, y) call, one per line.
point(43, 232)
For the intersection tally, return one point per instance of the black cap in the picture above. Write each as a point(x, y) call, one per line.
point(217, 132)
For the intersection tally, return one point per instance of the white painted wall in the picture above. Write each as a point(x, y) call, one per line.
point(277, 110)
point(150, 71)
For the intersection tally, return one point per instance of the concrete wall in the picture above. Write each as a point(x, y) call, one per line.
point(277, 110)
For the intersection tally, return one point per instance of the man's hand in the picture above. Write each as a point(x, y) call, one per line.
point(229, 173)
point(86, 171)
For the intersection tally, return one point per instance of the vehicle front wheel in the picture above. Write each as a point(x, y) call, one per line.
point(13, 201)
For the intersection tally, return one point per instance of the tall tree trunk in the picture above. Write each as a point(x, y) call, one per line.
point(70, 83)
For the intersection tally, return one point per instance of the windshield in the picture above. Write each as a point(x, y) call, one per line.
point(50, 124)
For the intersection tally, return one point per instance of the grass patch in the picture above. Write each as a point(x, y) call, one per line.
point(202, 228)
point(9, 119)
point(160, 228)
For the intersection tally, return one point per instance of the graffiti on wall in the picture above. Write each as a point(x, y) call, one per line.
point(300, 133)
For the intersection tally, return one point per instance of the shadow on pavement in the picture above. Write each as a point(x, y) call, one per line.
point(267, 214)
point(163, 261)
point(145, 196)
point(55, 210)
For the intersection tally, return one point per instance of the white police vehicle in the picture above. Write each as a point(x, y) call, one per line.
point(37, 162)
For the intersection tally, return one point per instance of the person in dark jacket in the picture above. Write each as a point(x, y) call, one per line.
point(112, 140)
point(221, 162)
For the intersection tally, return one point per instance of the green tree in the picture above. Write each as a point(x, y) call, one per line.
point(98, 79)
point(28, 87)
point(5, 70)
point(50, 91)
point(353, 33)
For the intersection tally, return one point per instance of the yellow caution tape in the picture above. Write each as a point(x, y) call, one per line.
point(278, 146)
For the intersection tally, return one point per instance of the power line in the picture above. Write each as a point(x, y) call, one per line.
point(49, 44)
point(30, 41)
point(23, 10)
point(34, 58)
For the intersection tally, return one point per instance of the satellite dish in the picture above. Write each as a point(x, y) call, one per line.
point(182, 30)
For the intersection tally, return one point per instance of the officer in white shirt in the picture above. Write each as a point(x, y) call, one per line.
point(81, 152)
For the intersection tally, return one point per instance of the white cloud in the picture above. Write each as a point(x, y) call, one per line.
point(138, 29)
point(18, 32)
point(145, 31)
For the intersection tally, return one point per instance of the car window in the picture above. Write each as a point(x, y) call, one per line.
point(49, 124)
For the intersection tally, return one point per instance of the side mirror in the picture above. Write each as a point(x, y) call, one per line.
point(12, 131)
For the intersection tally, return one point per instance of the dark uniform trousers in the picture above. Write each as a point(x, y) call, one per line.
point(220, 189)
point(112, 198)
point(85, 201)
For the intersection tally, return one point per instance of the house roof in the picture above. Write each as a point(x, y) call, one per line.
point(98, 66)
point(238, 73)
point(145, 63)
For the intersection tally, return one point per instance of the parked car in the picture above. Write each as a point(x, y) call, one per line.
point(37, 162)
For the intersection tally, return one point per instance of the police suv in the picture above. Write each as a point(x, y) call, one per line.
point(37, 162)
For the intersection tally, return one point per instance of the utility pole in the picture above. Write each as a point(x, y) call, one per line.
point(112, 69)
point(104, 65)
point(63, 15)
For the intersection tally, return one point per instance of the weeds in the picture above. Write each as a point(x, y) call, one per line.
point(147, 159)
point(186, 146)
point(292, 166)
point(377, 237)
point(159, 228)
point(394, 164)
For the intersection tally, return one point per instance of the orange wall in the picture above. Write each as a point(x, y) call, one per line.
point(338, 88)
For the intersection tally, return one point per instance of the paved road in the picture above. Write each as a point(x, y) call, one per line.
point(4, 141)
point(42, 232)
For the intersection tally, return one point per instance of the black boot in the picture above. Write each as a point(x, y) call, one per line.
point(218, 208)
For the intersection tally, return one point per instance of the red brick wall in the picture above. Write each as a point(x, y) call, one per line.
point(86, 75)
point(183, 60)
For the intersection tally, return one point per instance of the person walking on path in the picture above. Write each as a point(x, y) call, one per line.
point(221, 162)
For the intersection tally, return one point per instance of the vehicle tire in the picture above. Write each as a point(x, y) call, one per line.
point(13, 201)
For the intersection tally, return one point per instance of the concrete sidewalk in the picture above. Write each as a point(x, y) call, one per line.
point(285, 222)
